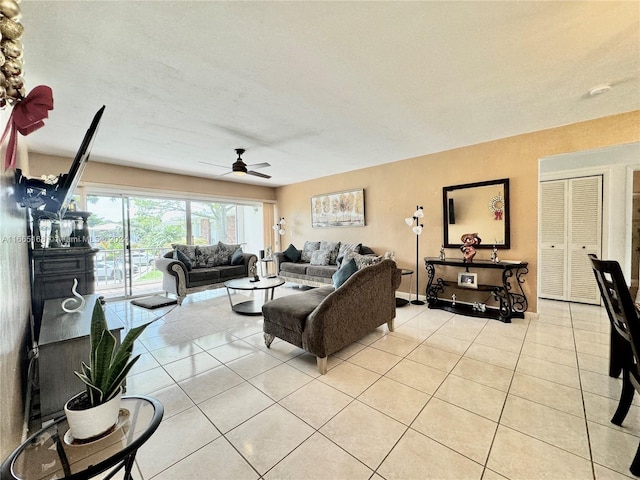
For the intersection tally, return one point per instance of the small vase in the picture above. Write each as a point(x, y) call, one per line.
point(91, 423)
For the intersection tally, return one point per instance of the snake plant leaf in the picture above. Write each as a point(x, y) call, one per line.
point(109, 363)
point(101, 363)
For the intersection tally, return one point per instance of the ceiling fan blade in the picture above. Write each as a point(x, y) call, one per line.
point(214, 164)
point(258, 174)
point(260, 165)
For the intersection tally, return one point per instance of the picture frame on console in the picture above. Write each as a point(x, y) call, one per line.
point(468, 280)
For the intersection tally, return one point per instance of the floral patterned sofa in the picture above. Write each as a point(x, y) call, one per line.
point(194, 268)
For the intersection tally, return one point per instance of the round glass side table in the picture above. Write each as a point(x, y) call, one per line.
point(51, 452)
point(401, 302)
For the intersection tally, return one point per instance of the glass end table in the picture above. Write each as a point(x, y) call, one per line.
point(401, 302)
point(51, 452)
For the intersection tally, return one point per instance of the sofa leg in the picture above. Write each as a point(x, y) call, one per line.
point(322, 364)
point(268, 338)
point(180, 299)
point(390, 325)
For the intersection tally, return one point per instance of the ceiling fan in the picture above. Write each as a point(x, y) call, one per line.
point(240, 168)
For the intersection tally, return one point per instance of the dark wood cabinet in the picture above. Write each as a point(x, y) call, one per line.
point(53, 272)
point(495, 292)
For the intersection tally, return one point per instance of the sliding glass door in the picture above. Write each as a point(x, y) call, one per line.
point(130, 232)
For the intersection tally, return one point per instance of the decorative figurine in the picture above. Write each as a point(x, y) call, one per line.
point(469, 242)
point(253, 272)
point(79, 301)
point(442, 255)
point(453, 298)
point(494, 255)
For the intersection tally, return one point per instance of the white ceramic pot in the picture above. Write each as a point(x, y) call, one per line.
point(93, 422)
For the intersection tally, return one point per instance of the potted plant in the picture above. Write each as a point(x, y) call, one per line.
point(94, 412)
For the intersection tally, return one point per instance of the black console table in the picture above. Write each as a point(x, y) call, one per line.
point(509, 300)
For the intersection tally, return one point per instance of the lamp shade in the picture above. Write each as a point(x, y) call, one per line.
point(408, 220)
point(417, 229)
point(419, 213)
point(281, 231)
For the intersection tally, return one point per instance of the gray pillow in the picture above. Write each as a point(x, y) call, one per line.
point(188, 250)
point(319, 257)
point(348, 247)
point(344, 272)
point(308, 249)
point(363, 261)
point(332, 248)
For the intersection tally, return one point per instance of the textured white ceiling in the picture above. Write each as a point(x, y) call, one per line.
point(317, 88)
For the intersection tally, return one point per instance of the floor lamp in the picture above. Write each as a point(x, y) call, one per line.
point(279, 227)
point(417, 229)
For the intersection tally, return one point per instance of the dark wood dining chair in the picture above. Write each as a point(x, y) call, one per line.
point(625, 320)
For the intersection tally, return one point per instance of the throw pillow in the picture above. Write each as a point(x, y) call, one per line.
point(364, 250)
point(319, 258)
point(308, 249)
point(332, 248)
point(344, 272)
point(207, 255)
point(188, 250)
point(292, 253)
point(238, 257)
point(348, 247)
point(178, 255)
point(228, 250)
point(362, 261)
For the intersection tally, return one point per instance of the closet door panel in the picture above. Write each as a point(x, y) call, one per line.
point(553, 240)
point(585, 237)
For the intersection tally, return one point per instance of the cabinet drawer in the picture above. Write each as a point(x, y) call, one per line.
point(57, 265)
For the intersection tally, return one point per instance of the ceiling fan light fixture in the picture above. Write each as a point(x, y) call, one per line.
point(239, 168)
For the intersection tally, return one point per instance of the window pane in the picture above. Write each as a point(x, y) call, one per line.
point(213, 222)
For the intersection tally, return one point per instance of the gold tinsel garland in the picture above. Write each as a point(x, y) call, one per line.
point(11, 81)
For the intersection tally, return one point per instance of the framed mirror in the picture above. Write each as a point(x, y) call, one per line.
point(481, 208)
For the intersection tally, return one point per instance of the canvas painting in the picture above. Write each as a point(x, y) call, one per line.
point(340, 209)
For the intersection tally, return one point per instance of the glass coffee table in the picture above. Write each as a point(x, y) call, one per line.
point(252, 307)
point(52, 452)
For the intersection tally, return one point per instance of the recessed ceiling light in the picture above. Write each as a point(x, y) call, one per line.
point(599, 89)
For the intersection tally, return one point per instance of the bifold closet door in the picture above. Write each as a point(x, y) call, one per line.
point(585, 237)
point(571, 228)
point(553, 240)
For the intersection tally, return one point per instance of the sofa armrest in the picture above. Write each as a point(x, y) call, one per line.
point(174, 275)
point(278, 258)
point(364, 302)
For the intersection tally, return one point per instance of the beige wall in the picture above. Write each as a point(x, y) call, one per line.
point(108, 175)
point(392, 192)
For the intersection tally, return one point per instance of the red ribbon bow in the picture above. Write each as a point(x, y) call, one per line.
point(27, 117)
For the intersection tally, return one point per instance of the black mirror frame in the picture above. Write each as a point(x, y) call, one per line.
point(507, 216)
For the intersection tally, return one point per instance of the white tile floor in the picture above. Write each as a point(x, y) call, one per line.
point(442, 397)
